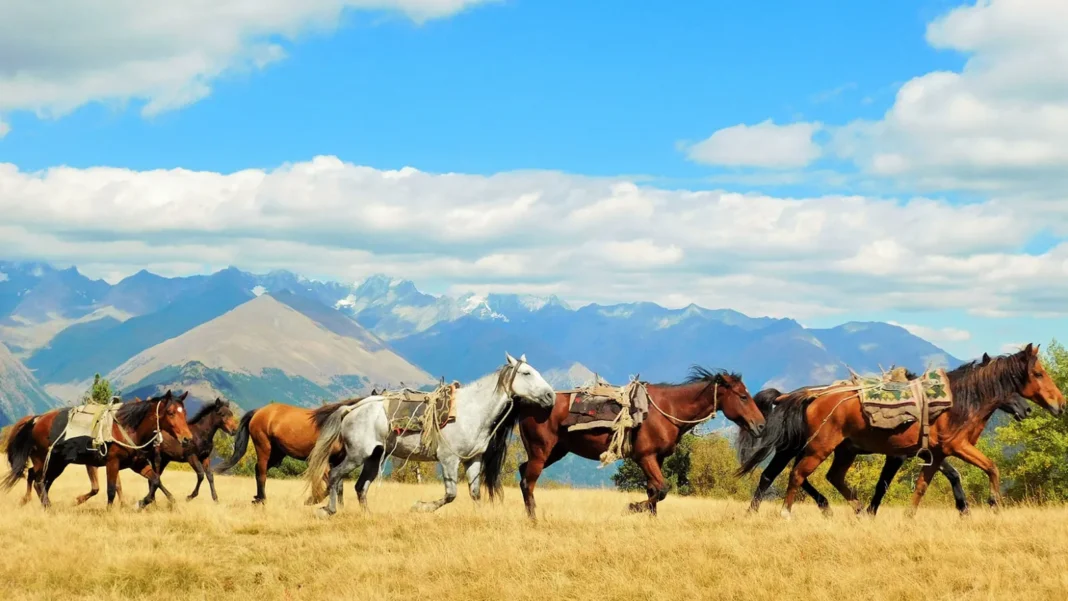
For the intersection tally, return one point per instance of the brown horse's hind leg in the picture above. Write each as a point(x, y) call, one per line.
point(802, 470)
point(94, 485)
point(655, 487)
point(531, 471)
point(836, 475)
point(266, 458)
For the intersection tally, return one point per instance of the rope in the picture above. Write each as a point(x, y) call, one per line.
point(715, 403)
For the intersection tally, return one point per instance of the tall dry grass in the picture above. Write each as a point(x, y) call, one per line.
point(584, 547)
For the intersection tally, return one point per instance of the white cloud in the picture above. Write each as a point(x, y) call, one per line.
point(1012, 347)
point(936, 335)
point(55, 58)
point(762, 145)
point(4, 129)
point(755, 253)
point(1000, 124)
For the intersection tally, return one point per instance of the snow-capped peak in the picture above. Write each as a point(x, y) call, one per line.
point(478, 305)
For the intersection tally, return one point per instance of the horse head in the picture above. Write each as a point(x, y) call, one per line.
point(1038, 386)
point(525, 384)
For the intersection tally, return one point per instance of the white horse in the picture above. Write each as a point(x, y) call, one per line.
point(485, 416)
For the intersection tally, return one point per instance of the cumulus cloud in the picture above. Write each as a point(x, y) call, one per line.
point(583, 238)
point(54, 59)
point(1000, 124)
point(764, 145)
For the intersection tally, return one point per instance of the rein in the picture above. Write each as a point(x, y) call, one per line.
point(688, 422)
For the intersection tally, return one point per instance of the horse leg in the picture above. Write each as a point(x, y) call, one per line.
point(265, 456)
point(921, 483)
point(655, 487)
point(198, 468)
point(767, 477)
point(450, 467)
point(337, 477)
point(31, 482)
point(886, 476)
point(371, 466)
point(953, 476)
point(45, 480)
point(473, 470)
point(210, 475)
point(112, 473)
point(154, 484)
point(94, 485)
point(974, 456)
point(531, 470)
point(836, 475)
point(804, 467)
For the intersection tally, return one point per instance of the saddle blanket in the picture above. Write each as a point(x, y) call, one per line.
point(91, 420)
point(599, 406)
point(892, 402)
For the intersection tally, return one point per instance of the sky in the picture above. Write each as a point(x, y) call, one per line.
point(826, 161)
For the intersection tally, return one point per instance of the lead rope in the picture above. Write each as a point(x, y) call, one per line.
point(715, 404)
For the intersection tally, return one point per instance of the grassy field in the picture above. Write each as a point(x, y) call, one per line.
point(584, 547)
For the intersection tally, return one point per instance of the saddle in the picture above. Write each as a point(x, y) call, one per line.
point(892, 401)
point(618, 408)
point(410, 411)
point(91, 420)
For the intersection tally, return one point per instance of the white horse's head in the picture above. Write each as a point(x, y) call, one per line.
point(523, 383)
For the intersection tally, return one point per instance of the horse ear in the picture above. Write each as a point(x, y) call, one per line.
point(986, 358)
point(1034, 351)
point(523, 357)
point(510, 358)
point(219, 402)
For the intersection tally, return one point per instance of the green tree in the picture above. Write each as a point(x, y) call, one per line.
point(99, 392)
point(676, 470)
point(1035, 467)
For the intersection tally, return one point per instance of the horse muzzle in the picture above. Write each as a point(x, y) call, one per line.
point(757, 430)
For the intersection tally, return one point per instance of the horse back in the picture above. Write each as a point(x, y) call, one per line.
point(287, 428)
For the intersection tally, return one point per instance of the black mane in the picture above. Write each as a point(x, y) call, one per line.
point(203, 412)
point(133, 413)
point(978, 383)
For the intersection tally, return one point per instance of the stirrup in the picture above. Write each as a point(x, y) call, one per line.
point(920, 454)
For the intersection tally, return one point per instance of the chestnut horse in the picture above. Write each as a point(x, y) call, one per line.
point(140, 423)
point(279, 431)
point(676, 408)
point(811, 424)
point(1015, 406)
point(211, 418)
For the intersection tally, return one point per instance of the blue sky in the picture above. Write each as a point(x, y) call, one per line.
point(868, 161)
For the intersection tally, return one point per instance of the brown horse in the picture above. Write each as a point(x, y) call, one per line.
point(211, 418)
point(137, 422)
point(812, 425)
point(676, 408)
point(279, 431)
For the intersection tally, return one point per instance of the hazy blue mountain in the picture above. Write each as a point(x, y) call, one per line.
point(36, 292)
point(145, 292)
point(20, 393)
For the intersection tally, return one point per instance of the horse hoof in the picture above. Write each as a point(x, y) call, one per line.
point(189, 498)
point(786, 515)
point(324, 512)
point(827, 512)
point(258, 501)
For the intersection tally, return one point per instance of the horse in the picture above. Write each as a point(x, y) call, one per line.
point(141, 424)
point(211, 418)
point(677, 408)
point(1015, 406)
point(811, 425)
point(486, 412)
point(279, 431)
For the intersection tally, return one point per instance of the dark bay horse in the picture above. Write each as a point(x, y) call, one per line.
point(1015, 406)
point(812, 425)
point(137, 422)
point(676, 408)
point(279, 431)
point(211, 418)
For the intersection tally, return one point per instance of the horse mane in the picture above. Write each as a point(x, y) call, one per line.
point(320, 414)
point(133, 413)
point(976, 383)
point(202, 412)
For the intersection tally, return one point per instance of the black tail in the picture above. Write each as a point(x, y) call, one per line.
point(19, 446)
point(786, 431)
point(497, 451)
point(240, 443)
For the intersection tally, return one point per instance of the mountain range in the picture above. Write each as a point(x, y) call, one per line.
point(282, 337)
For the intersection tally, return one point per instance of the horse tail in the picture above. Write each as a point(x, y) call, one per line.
point(497, 451)
point(240, 443)
point(765, 402)
point(785, 431)
point(19, 446)
point(329, 433)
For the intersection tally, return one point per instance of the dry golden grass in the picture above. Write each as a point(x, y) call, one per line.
point(583, 548)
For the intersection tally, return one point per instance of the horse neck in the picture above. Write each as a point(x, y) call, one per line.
point(683, 401)
point(206, 426)
point(147, 428)
point(479, 403)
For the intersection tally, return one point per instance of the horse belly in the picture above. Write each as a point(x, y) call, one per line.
point(79, 451)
